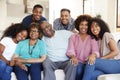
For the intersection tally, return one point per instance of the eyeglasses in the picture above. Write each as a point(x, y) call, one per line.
point(34, 31)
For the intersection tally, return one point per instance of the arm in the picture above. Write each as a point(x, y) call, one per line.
point(31, 60)
point(113, 50)
point(2, 48)
point(95, 52)
point(71, 51)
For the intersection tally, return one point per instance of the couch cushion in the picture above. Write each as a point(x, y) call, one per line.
point(109, 77)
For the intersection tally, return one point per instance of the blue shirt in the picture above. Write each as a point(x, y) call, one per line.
point(22, 49)
point(29, 19)
point(57, 25)
point(57, 45)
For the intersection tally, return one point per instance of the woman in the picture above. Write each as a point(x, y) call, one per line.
point(81, 46)
point(29, 55)
point(108, 51)
point(11, 36)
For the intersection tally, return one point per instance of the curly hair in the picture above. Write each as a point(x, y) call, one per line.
point(103, 26)
point(13, 30)
point(81, 18)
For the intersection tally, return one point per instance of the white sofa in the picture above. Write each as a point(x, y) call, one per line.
point(109, 77)
point(59, 75)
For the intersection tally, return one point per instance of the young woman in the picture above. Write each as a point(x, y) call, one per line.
point(81, 46)
point(29, 55)
point(11, 36)
point(99, 30)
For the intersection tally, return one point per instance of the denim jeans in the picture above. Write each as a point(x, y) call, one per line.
point(34, 70)
point(5, 71)
point(80, 71)
point(101, 66)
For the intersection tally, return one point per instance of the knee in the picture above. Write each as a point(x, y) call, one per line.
point(47, 65)
point(2, 64)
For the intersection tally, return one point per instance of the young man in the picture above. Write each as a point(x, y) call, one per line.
point(57, 43)
point(36, 16)
point(65, 22)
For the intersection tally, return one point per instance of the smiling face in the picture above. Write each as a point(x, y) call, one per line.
point(83, 27)
point(95, 29)
point(47, 29)
point(21, 35)
point(65, 17)
point(34, 33)
point(37, 13)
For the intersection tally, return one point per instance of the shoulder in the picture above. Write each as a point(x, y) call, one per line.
point(107, 35)
point(27, 17)
point(41, 41)
point(57, 20)
point(71, 20)
point(6, 38)
point(43, 18)
point(64, 32)
point(24, 41)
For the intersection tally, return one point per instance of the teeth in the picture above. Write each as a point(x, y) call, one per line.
point(83, 29)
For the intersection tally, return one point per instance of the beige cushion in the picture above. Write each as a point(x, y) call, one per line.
point(109, 77)
point(59, 75)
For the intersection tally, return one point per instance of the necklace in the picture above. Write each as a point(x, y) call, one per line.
point(32, 48)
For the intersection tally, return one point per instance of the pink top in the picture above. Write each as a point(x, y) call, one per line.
point(82, 49)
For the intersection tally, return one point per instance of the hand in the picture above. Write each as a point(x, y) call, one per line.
point(23, 66)
point(12, 63)
point(74, 61)
point(91, 59)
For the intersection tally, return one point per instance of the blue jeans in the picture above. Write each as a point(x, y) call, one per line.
point(101, 66)
point(34, 70)
point(5, 71)
point(80, 71)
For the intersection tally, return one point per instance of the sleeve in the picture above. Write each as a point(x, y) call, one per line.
point(72, 21)
point(5, 41)
point(108, 36)
point(95, 48)
point(71, 47)
point(56, 24)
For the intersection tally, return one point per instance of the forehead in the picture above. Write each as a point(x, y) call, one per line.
point(65, 12)
point(38, 9)
point(44, 24)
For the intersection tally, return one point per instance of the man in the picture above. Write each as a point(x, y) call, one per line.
point(65, 22)
point(57, 43)
point(36, 16)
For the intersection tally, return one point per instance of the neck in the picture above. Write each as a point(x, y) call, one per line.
point(32, 41)
point(15, 40)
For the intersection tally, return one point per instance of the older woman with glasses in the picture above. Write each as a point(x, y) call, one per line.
point(29, 55)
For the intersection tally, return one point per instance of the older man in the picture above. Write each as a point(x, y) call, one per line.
point(57, 43)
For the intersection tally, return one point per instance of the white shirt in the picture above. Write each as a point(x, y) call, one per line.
point(9, 47)
point(57, 45)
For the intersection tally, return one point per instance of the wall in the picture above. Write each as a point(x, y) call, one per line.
point(56, 5)
point(107, 9)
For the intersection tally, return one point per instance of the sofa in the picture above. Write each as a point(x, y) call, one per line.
point(59, 75)
point(109, 77)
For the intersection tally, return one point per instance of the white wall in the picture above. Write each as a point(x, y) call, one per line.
point(3, 13)
point(56, 5)
point(107, 9)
